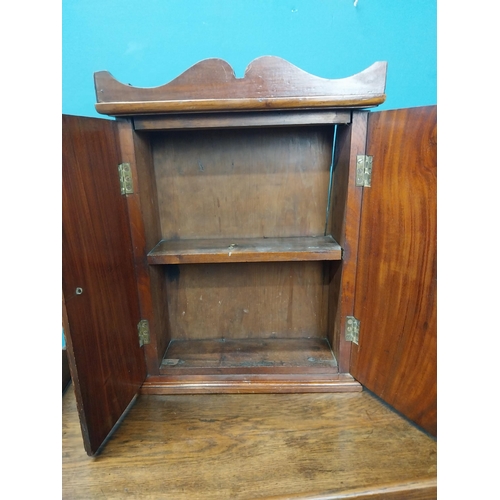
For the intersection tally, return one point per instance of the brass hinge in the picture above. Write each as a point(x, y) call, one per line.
point(352, 329)
point(143, 331)
point(126, 183)
point(364, 170)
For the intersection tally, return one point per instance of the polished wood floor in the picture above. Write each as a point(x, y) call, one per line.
point(252, 446)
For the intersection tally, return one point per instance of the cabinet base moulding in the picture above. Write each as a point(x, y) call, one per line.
point(242, 384)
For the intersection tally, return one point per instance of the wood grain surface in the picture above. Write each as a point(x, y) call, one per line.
point(249, 356)
point(345, 216)
point(99, 288)
point(211, 382)
point(253, 183)
point(247, 300)
point(397, 269)
point(322, 446)
point(145, 230)
point(235, 119)
point(245, 250)
point(269, 83)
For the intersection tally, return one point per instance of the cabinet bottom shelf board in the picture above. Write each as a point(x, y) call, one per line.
point(249, 384)
point(249, 356)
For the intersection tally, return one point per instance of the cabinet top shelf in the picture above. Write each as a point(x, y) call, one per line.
point(269, 83)
point(245, 250)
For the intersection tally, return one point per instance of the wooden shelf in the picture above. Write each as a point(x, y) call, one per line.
point(245, 250)
point(250, 356)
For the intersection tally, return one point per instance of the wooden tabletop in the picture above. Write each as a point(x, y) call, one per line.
point(252, 446)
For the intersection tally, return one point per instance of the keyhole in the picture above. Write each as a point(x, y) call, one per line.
point(79, 291)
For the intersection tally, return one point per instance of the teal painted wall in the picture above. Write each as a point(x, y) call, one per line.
point(149, 42)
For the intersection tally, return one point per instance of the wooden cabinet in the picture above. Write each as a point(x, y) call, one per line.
point(262, 234)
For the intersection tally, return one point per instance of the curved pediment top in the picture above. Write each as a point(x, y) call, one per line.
point(275, 67)
point(269, 82)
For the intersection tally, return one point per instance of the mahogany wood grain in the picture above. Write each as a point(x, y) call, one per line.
point(245, 119)
point(145, 232)
point(214, 105)
point(250, 383)
point(242, 183)
point(247, 300)
point(396, 283)
point(269, 83)
point(245, 250)
point(345, 217)
point(99, 289)
point(249, 356)
point(238, 446)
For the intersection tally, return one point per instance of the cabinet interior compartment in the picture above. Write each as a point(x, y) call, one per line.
point(243, 274)
point(248, 316)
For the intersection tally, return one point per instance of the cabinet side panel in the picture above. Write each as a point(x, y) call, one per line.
point(146, 232)
point(345, 218)
point(99, 287)
point(396, 283)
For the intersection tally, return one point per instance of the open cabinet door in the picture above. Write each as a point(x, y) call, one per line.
point(99, 288)
point(395, 297)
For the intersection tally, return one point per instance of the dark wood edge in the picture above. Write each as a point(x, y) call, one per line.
point(269, 83)
point(243, 384)
point(118, 423)
point(138, 237)
point(282, 118)
point(226, 250)
point(66, 376)
point(75, 379)
point(190, 105)
point(244, 257)
point(351, 234)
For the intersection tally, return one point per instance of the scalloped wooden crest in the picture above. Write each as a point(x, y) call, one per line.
point(269, 83)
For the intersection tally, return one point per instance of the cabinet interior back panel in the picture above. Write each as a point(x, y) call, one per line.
point(243, 183)
point(247, 300)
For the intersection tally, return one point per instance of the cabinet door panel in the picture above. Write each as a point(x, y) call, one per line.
point(99, 289)
point(395, 297)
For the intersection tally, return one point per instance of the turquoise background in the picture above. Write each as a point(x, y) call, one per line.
point(149, 42)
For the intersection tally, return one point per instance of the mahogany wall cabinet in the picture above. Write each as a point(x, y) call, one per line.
point(261, 234)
